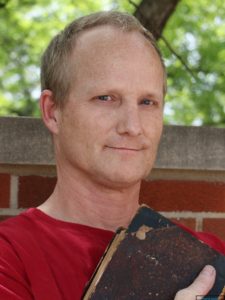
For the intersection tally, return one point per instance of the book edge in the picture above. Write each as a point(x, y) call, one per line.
point(103, 263)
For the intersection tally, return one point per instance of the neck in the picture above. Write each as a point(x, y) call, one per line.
point(76, 199)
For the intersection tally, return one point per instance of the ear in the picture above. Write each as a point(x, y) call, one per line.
point(49, 111)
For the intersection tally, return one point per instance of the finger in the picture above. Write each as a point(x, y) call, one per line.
point(204, 282)
point(201, 286)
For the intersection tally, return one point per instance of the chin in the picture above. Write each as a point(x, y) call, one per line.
point(121, 180)
point(122, 175)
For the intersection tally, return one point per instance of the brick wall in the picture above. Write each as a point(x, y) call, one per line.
point(21, 192)
point(187, 183)
point(197, 204)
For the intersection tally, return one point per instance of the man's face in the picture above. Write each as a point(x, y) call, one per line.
point(111, 125)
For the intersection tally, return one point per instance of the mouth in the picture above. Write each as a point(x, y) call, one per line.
point(125, 149)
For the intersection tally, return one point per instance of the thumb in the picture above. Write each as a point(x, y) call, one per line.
point(201, 286)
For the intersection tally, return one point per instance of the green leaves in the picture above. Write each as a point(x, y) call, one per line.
point(26, 29)
point(196, 32)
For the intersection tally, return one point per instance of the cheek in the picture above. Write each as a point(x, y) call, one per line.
point(85, 137)
point(158, 132)
point(154, 136)
point(153, 129)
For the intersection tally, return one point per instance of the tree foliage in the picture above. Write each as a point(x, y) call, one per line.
point(197, 33)
point(25, 30)
point(192, 42)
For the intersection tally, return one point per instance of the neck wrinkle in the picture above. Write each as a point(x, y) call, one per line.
point(78, 200)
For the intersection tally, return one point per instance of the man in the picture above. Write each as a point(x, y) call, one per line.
point(103, 86)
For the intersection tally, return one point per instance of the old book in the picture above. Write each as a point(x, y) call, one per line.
point(152, 259)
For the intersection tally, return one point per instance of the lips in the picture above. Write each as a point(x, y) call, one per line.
point(125, 148)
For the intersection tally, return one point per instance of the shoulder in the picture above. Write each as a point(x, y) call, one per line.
point(212, 240)
point(19, 241)
point(14, 225)
point(13, 252)
point(10, 231)
point(16, 231)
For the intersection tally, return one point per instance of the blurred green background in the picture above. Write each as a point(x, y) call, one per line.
point(192, 43)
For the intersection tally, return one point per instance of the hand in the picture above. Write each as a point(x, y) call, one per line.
point(201, 286)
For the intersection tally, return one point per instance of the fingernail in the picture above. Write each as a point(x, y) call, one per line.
point(208, 270)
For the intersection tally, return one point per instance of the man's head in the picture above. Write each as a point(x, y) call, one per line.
point(57, 71)
point(110, 125)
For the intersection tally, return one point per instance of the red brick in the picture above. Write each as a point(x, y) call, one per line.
point(34, 190)
point(190, 223)
point(172, 195)
point(216, 226)
point(4, 190)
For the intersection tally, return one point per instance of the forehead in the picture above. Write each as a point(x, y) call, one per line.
point(106, 53)
point(108, 40)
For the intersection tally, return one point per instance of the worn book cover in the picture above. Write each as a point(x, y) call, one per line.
point(152, 259)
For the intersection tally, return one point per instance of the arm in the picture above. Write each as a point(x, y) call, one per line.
point(201, 286)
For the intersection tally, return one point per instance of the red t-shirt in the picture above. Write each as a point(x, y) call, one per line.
point(43, 258)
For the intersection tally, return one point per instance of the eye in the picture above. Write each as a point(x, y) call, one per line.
point(104, 97)
point(147, 102)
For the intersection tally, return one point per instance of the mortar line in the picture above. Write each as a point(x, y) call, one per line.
point(199, 221)
point(13, 201)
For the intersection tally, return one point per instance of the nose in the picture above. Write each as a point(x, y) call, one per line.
point(129, 121)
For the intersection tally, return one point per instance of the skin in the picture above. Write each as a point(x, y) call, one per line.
point(106, 135)
point(114, 110)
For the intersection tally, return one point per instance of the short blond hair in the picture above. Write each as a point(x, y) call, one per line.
point(55, 60)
